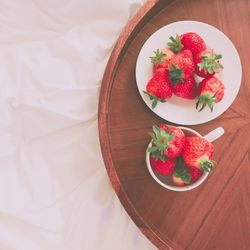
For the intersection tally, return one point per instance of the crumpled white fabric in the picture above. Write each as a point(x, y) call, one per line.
point(54, 190)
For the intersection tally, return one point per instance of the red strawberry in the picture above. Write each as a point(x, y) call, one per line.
point(193, 41)
point(168, 53)
point(197, 153)
point(195, 174)
point(186, 89)
point(163, 167)
point(159, 87)
point(184, 61)
point(181, 177)
point(168, 141)
point(178, 181)
point(161, 58)
point(207, 63)
point(184, 175)
point(210, 91)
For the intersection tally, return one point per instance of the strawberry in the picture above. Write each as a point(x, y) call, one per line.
point(168, 141)
point(168, 53)
point(197, 153)
point(159, 87)
point(181, 177)
point(184, 61)
point(178, 181)
point(195, 174)
point(207, 63)
point(163, 167)
point(210, 91)
point(161, 58)
point(193, 42)
point(186, 89)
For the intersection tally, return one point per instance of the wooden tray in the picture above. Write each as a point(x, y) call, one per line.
point(215, 215)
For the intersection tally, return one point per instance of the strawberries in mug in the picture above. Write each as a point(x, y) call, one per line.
point(197, 153)
point(181, 177)
point(184, 175)
point(167, 141)
point(183, 157)
point(163, 167)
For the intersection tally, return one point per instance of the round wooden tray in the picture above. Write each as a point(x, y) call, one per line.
point(215, 215)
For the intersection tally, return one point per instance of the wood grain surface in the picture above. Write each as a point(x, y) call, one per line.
point(216, 215)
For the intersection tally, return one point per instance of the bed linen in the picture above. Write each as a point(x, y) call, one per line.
point(54, 190)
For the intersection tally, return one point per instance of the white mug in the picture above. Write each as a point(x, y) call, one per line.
point(212, 136)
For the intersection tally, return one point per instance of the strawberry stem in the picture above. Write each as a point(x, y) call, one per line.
point(175, 44)
point(176, 74)
point(207, 165)
point(210, 64)
point(158, 57)
point(180, 171)
point(154, 99)
point(161, 140)
point(205, 100)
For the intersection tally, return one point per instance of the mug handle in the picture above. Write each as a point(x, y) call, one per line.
point(214, 134)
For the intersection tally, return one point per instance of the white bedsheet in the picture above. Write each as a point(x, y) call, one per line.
point(54, 190)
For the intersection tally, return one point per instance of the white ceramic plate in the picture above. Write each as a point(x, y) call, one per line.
point(179, 110)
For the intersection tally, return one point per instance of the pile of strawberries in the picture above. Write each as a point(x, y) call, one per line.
point(185, 158)
point(175, 66)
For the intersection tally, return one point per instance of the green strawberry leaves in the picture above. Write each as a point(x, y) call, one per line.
point(154, 99)
point(181, 172)
point(207, 165)
point(210, 64)
point(205, 100)
point(176, 74)
point(175, 44)
point(160, 142)
point(158, 57)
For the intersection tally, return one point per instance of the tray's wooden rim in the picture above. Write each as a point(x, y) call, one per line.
point(150, 8)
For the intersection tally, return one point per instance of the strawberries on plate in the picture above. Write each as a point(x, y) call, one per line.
point(193, 42)
point(175, 44)
point(161, 58)
point(210, 91)
point(159, 88)
point(186, 89)
point(190, 40)
point(175, 68)
point(184, 61)
point(207, 63)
